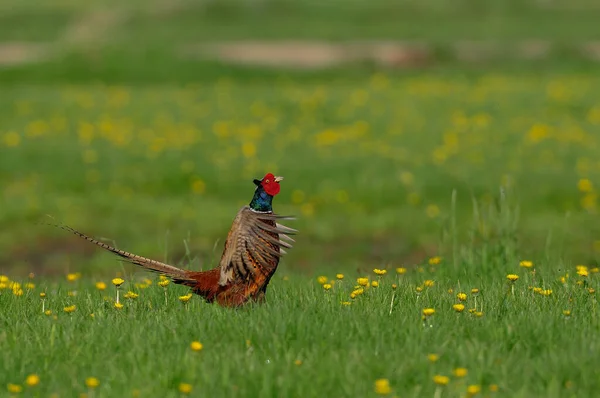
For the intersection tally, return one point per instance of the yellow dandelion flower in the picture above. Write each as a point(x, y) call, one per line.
point(186, 298)
point(458, 307)
point(117, 282)
point(591, 290)
point(100, 285)
point(32, 380)
point(322, 279)
point(298, 362)
point(582, 272)
point(196, 346)
point(566, 312)
point(362, 281)
point(92, 382)
point(375, 284)
point(164, 283)
point(478, 314)
point(327, 286)
point(29, 286)
point(339, 276)
point(435, 260)
point(474, 291)
point(512, 277)
point(595, 270)
point(72, 277)
point(394, 286)
point(118, 306)
point(450, 291)
point(428, 283)
point(460, 372)
point(382, 387)
point(14, 388)
point(441, 380)
point(4, 279)
point(378, 271)
point(546, 292)
point(42, 295)
point(131, 295)
point(419, 289)
point(585, 185)
point(473, 389)
point(48, 312)
point(346, 303)
point(433, 357)
point(185, 388)
point(401, 270)
point(494, 387)
point(461, 296)
point(428, 311)
point(70, 309)
point(526, 264)
point(18, 292)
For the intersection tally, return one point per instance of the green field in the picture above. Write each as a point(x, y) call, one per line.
point(480, 166)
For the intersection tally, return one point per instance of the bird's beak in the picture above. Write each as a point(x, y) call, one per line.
point(278, 179)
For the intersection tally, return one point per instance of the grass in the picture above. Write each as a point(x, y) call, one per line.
point(513, 340)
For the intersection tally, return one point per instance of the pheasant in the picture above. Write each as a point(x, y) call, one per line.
point(254, 246)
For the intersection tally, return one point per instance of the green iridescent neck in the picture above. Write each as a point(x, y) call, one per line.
point(261, 201)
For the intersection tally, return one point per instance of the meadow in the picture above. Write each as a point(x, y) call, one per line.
point(448, 216)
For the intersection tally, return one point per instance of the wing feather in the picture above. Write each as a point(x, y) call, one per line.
point(254, 244)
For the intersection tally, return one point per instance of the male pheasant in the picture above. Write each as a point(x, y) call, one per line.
point(254, 245)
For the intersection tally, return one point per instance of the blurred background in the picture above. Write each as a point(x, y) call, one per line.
point(402, 128)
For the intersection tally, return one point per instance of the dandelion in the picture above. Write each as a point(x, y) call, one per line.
point(450, 291)
point(118, 306)
point(428, 283)
point(458, 307)
point(70, 309)
point(186, 298)
point(460, 372)
point(164, 283)
point(14, 388)
point(378, 271)
point(346, 303)
point(43, 297)
point(382, 387)
point(478, 314)
point(339, 276)
point(72, 277)
point(494, 388)
point(298, 362)
point(474, 291)
point(48, 312)
point(546, 292)
point(32, 380)
point(433, 357)
point(394, 286)
point(327, 286)
point(567, 313)
point(29, 286)
point(435, 260)
point(473, 390)
point(401, 270)
point(441, 380)
point(590, 290)
point(131, 295)
point(428, 311)
point(526, 264)
point(322, 280)
point(374, 283)
point(512, 277)
point(196, 346)
point(117, 282)
point(100, 286)
point(185, 388)
point(92, 382)
point(357, 292)
point(583, 271)
point(461, 296)
point(362, 281)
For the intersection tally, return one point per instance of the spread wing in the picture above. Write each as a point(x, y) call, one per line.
point(254, 245)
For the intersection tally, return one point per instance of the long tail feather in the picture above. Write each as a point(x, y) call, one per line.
point(147, 263)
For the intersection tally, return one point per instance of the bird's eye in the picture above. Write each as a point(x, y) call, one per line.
point(267, 181)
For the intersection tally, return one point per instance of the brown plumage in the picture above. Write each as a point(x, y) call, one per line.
point(254, 246)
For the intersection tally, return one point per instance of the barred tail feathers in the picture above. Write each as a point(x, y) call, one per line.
point(152, 265)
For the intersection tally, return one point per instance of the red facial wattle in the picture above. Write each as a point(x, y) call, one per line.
point(270, 185)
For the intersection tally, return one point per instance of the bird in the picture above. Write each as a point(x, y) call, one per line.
point(255, 243)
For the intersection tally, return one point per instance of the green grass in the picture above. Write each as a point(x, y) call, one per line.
point(520, 341)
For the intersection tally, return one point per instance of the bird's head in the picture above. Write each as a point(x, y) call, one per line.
point(270, 184)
